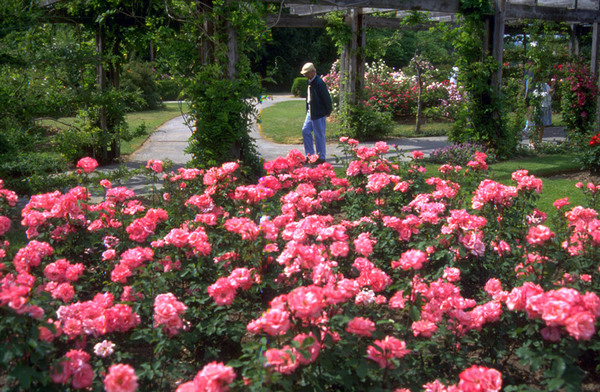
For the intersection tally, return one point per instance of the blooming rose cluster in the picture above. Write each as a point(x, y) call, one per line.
point(155, 165)
point(384, 351)
point(61, 273)
point(443, 300)
point(141, 228)
point(331, 277)
point(74, 370)
point(120, 378)
point(130, 260)
point(223, 291)
point(7, 196)
point(64, 212)
point(167, 313)
point(214, 377)
point(87, 164)
point(474, 379)
point(494, 193)
point(96, 317)
point(562, 310)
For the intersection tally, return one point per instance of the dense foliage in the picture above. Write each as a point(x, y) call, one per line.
point(383, 280)
point(482, 120)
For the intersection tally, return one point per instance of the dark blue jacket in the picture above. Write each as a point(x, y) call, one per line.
point(320, 100)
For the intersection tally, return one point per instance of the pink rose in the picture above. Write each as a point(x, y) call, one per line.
point(120, 378)
point(87, 164)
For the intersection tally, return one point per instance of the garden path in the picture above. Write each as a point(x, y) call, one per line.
point(170, 140)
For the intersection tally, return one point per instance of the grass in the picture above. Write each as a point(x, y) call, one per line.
point(152, 119)
point(544, 167)
point(282, 123)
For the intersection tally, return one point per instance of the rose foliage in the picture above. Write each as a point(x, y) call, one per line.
point(388, 279)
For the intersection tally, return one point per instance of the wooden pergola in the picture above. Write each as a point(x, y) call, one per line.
point(359, 16)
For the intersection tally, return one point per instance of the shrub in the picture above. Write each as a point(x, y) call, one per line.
point(299, 87)
point(223, 114)
point(395, 91)
point(579, 98)
point(589, 152)
point(138, 80)
point(365, 123)
point(168, 88)
point(385, 280)
point(458, 154)
point(32, 172)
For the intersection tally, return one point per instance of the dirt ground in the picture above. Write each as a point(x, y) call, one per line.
point(582, 176)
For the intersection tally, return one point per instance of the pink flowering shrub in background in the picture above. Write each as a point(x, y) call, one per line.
point(389, 278)
point(395, 91)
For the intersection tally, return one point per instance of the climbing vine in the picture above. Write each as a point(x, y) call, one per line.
point(482, 117)
point(221, 88)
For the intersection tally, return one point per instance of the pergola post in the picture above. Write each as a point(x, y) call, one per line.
point(352, 59)
point(498, 42)
point(101, 80)
point(232, 49)
point(594, 62)
point(574, 40)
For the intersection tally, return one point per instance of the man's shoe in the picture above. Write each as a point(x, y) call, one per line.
point(319, 161)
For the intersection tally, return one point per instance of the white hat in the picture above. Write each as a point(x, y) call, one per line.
point(308, 67)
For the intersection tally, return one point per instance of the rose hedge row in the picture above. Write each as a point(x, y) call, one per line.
point(385, 280)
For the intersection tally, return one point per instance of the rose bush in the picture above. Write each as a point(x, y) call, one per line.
point(394, 91)
point(579, 93)
point(388, 279)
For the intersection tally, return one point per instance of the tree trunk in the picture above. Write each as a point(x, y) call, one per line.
point(419, 103)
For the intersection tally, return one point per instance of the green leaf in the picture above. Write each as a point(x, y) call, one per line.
point(554, 384)
point(24, 374)
point(558, 367)
point(362, 369)
point(415, 313)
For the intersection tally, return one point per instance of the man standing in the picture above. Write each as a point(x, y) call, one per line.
point(318, 107)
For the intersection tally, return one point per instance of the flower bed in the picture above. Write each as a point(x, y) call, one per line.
point(385, 280)
point(394, 91)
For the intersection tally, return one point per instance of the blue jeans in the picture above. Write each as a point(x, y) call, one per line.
point(318, 128)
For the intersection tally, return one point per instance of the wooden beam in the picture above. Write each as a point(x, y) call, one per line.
point(295, 21)
point(376, 22)
point(518, 11)
point(498, 42)
point(451, 6)
point(595, 41)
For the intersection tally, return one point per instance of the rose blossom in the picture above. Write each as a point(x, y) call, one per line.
point(104, 348)
point(413, 258)
point(120, 378)
point(214, 377)
point(87, 164)
point(480, 379)
point(361, 326)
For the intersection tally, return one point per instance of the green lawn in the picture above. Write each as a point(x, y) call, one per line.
point(282, 123)
point(545, 167)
